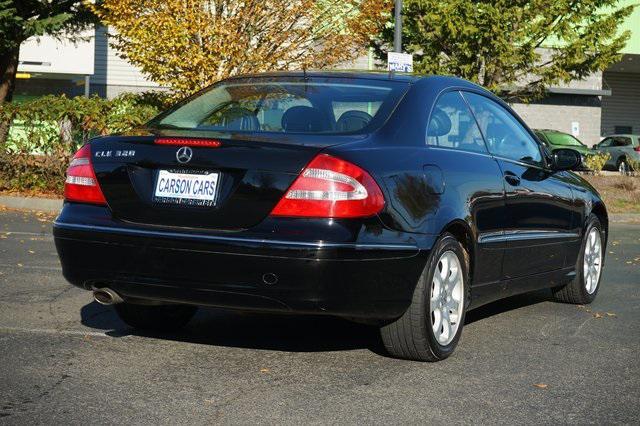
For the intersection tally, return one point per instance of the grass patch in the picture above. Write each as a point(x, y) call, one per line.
point(621, 194)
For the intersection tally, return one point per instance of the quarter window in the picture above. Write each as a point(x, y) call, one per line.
point(505, 136)
point(452, 125)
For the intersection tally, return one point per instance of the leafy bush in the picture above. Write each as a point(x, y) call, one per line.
point(46, 132)
point(595, 162)
point(635, 166)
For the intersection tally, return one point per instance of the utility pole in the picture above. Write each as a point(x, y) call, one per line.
point(397, 30)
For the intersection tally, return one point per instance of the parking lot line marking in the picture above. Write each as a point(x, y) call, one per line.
point(35, 234)
point(21, 266)
point(52, 331)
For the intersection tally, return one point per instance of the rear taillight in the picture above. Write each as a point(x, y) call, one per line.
point(209, 143)
point(81, 185)
point(331, 188)
point(637, 148)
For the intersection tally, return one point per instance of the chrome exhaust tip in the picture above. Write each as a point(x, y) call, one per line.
point(106, 296)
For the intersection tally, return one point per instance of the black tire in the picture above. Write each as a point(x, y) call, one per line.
point(155, 317)
point(575, 291)
point(411, 336)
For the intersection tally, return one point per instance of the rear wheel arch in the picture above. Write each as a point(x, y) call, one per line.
point(600, 211)
point(462, 232)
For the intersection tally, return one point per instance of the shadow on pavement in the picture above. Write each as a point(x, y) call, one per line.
point(506, 305)
point(287, 333)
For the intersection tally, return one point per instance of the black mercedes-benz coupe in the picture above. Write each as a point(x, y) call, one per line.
point(399, 201)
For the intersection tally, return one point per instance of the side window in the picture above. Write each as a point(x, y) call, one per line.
point(623, 141)
point(451, 125)
point(605, 143)
point(505, 136)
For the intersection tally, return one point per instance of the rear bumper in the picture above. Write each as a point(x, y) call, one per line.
point(372, 280)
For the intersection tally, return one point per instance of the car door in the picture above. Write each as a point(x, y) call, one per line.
point(539, 203)
point(474, 187)
point(607, 146)
point(624, 148)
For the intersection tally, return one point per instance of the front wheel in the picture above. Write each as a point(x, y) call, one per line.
point(584, 287)
point(623, 167)
point(155, 317)
point(430, 328)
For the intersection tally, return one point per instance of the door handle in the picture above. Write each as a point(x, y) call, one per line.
point(512, 179)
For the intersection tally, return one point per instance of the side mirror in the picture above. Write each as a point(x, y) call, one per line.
point(565, 159)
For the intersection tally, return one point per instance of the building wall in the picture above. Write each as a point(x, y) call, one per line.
point(558, 112)
point(112, 74)
point(622, 108)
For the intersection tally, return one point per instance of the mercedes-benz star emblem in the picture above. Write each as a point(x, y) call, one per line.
point(184, 154)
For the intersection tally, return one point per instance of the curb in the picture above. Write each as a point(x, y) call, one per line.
point(55, 205)
point(31, 203)
point(624, 218)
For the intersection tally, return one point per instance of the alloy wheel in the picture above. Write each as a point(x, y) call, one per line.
point(447, 297)
point(592, 266)
point(623, 168)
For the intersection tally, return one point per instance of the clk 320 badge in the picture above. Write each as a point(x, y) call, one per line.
point(117, 153)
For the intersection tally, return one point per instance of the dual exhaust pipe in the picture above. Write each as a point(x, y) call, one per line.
point(106, 296)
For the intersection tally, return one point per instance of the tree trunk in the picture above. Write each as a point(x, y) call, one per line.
point(8, 70)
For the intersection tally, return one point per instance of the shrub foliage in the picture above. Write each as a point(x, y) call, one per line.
point(46, 132)
point(595, 162)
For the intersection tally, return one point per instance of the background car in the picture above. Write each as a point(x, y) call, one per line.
point(554, 139)
point(398, 201)
point(621, 149)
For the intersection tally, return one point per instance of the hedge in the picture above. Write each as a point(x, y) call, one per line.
point(45, 133)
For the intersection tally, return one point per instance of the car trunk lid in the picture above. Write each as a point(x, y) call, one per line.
point(252, 173)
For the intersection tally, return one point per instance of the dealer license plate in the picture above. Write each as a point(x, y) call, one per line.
point(194, 189)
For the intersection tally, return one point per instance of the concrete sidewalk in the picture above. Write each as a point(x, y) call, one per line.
point(51, 205)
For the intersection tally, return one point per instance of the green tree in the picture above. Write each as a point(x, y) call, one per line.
point(500, 44)
point(21, 19)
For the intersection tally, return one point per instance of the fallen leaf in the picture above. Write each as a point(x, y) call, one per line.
point(31, 251)
point(597, 315)
point(20, 265)
point(541, 385)
point(611, 314)
point(264, 370)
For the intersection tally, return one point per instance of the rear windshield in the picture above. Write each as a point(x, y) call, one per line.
point(313, 106)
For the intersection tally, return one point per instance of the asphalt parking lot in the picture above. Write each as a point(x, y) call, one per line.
point(67, 360)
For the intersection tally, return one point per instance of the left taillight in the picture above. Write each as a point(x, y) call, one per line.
point(81, 185)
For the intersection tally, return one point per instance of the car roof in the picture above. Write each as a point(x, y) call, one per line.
point(366, 75)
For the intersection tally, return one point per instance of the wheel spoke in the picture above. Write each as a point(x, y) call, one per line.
point(444, 272)
point(437, 321)
point(446, 328)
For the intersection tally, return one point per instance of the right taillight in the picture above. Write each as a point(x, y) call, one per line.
point(330, 187)
point(637, 148)
point(81, 184)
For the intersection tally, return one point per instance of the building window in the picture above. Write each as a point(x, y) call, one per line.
point(622, 130)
